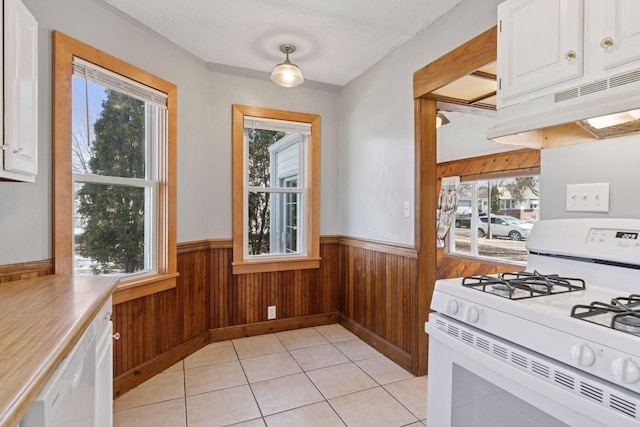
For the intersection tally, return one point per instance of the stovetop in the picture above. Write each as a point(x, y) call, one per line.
point(621, 313)
point(524, 284)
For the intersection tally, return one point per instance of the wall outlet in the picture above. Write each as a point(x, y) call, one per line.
point(588, 197)
point(271, 312)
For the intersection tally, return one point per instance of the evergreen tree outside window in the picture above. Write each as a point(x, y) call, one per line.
point(114, 180)
point(115, 177)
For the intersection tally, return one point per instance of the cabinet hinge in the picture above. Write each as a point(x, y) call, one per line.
point(500, 26)
point(499, 83)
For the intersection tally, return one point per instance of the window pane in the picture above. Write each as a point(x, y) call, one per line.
point(462, 225)
point(505, 212)
point(272, 157)
point(259, 224)
point(109, 135)
point(274, 221)
point(109, 229)
point(289, 239)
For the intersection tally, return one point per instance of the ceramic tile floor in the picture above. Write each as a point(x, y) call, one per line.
point(323, 376)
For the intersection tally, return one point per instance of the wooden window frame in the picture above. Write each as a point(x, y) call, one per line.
point(65, 49)
point(285, 262)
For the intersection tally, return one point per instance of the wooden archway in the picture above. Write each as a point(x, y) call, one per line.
point(468, 57)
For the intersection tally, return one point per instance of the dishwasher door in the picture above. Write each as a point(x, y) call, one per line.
point(67, 399)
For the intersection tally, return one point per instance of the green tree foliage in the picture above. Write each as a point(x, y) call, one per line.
point(520, 186)
point(259, 169)
point(495, 198)
point(114, 229)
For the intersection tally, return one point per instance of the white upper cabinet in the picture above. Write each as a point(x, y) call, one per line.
point(539, 45)
point(546, 46)
point(20, 144)
point(613, 27)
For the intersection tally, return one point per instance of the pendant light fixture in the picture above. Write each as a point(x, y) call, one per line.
point(287, 74)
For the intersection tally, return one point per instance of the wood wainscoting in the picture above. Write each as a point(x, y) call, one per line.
point(366, 286)
point(369, 287)
point(379, 297)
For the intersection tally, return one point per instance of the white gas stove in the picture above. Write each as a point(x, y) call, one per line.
point(523, 324)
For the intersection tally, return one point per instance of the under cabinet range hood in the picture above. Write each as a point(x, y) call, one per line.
point(603, 109)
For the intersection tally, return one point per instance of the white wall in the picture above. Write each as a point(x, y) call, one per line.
point(204, 130)
point(611, 160)
point(466, 136)
point(377, 132)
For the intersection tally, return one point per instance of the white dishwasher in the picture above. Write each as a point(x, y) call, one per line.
point(67, 399)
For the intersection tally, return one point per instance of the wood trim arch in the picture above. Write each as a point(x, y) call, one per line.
point(468, 57)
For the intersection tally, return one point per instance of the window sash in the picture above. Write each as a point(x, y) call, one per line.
point(154, 159)
point(277, 125)
point(94, 73)
point(302, 185)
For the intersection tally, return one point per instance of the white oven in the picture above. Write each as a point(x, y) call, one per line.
point(530, 358)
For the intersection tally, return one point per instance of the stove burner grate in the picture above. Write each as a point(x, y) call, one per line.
point(624, 311)
point(523, 284)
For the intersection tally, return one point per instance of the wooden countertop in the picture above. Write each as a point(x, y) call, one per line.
point(40, 321)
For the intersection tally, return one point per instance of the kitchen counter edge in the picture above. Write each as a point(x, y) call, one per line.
point(52, 311)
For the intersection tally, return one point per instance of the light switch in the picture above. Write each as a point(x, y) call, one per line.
point(588, 197)
point(407, 209)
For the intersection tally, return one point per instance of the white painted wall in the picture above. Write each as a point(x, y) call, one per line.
point(465, 136)
point(611, 160)
point(377, 132)
point(204, 130)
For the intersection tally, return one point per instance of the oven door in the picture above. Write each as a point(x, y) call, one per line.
point(477, 379)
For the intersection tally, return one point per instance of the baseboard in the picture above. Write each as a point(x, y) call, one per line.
point(141, 373)
point(271, 326)
point(136, 376)
point(393, 352)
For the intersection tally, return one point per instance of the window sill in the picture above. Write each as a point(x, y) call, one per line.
point(487, 259)
point(141, 287)
point(278, 264)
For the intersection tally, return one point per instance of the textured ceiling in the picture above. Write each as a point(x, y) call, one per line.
point(336, 40)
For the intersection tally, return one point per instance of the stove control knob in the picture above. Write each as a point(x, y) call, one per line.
point(583, 355)
point(452, 306)
point(625, 371)
point(471, 315)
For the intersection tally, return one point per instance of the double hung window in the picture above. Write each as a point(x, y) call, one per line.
point(275, 190)
point(114, 170)
point(119, 129)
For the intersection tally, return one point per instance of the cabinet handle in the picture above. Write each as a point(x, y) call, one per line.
point(571, 55)
point(19, 151)
point(4, 147)
point(116, 336)
point(107, 315)
point(606, 43)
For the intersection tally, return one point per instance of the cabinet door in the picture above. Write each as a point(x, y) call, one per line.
point(616, 32)
point(104, 375)
point(540, 45)
point(20, 89)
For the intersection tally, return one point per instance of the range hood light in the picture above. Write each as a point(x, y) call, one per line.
point(614, 119)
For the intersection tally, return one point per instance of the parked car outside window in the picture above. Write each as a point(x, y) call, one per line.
point(504, 226)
